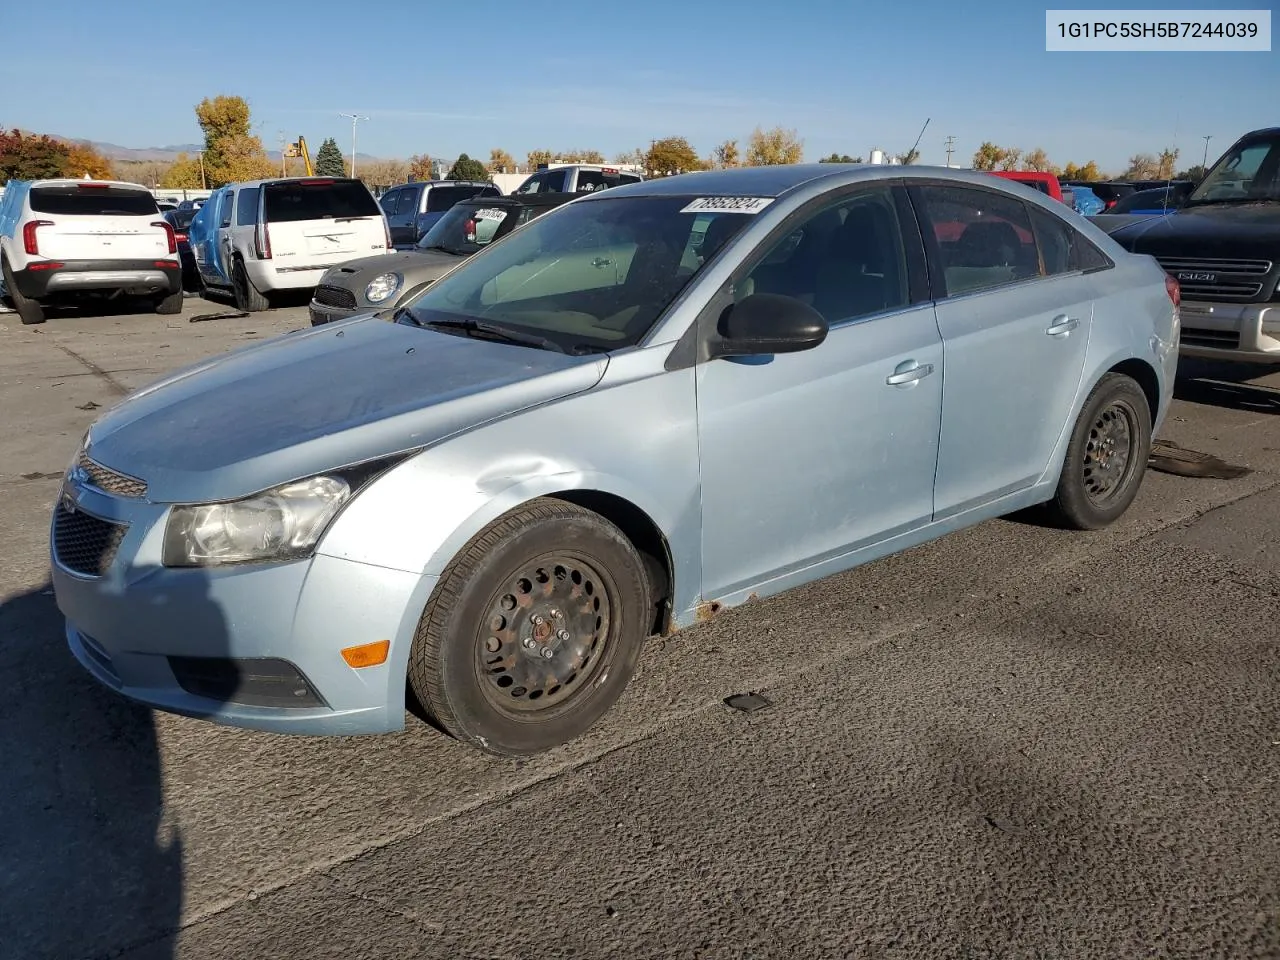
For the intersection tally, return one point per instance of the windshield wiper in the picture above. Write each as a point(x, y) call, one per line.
point(493, 331)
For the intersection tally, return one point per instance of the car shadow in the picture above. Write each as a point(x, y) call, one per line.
point(88, 863)
point(1226, 384)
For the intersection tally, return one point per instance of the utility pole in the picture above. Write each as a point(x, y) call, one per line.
point(284, 169)
point(950, 149)
point(204, 184)
point(1205, 162)
point(354, 118)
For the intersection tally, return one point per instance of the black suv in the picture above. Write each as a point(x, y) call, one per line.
point(1222, 245)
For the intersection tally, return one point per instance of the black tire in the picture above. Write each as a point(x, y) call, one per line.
point(1107, 457)
point(172, 303)
point(472, 666)
point(248, 299)
point(30, 312)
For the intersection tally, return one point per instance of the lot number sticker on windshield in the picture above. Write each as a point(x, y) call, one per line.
point(490, 213)
point(728, 205)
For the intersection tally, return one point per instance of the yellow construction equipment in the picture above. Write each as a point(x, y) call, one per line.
point(299, 149)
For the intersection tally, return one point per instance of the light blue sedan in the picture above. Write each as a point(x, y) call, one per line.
point(638, 410)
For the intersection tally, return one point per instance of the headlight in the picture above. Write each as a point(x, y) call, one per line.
point(281, 524)
point(382, 287)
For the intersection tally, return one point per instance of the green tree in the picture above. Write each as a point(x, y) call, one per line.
point(671, 155)
point(840, 158)
point(28, 157)
point(329, 161)
point(910, 157)
point(464, 168)
point(1194, 174)
point(231, 152)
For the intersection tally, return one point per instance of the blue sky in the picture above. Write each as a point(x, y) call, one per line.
point(846, 76)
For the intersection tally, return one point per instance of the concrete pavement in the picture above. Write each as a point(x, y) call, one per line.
point(1016, 741)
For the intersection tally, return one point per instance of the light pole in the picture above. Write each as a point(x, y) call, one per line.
point(354, 118)
point(1205, 162)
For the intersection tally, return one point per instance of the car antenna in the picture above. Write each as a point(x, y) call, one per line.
point(915, 146)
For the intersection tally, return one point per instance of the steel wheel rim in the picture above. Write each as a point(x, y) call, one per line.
point(1109, 461)
point(545, 636)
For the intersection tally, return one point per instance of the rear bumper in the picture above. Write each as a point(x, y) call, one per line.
point(1248, 332)
point(79, 276)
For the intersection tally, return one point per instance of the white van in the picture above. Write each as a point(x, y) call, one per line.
point(63, 240)
point(284, 233)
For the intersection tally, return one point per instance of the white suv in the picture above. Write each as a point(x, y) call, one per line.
point(65, 239)
point(283, 234)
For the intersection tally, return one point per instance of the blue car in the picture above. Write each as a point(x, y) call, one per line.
point(646, 406)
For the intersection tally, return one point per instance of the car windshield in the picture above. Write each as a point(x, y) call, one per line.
point(466, 228)
point(1247, 174)
point(592, 275)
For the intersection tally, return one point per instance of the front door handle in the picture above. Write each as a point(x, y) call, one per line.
point(601, 262)
point(908, 372)
point(1062, 325)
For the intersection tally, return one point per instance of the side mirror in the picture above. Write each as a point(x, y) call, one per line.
point(767, 323)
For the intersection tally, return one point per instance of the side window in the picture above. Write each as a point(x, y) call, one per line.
point(533, 184)
point(409, 200)
point(247, 207)
point(228, 204)
point(554, 182)
point(1063, 249)
point(984, 238)
point(846, 261)
point(389, 201)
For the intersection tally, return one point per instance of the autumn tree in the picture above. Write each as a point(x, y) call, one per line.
point(184, 174)
point(501, 162)
point(464, 168)
point(727, 155)
point(1142, 166)
point(1168, 160)
point(83, 159)
point(29, 157)
point(1038, 160)
point(631, 158)
point(420, 167)
point(987, 157)
point(910, 157)
point(840, 158)
point(329, 162)
point(671, 155)
point(1088, 171)
point(536, 158)
point(1012, 157)
point(232, 153)
point(383, 173)
point(773, 147)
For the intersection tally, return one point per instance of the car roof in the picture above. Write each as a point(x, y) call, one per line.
point(267, 180)
point(74, 181)
point(768, 181)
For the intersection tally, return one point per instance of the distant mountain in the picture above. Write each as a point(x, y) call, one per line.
point(113, 151)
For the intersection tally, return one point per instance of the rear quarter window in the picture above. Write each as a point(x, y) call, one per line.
point(440, 199)
point(299, 200)
point(92, 201)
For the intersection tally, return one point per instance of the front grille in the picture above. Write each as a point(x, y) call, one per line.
point(1236, 280)
point(84, 543)
point(335, 297)
point(1200, 337)
point(110, 481)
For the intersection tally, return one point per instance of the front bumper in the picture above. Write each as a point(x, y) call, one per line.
point(1248, 332)
point(139, 277)
point(134, 624)
point(327, 313)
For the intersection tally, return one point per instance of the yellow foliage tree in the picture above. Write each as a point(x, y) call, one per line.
point(671, 155)
point(231, 152)
point(501, 162)
point(184, 174)
point(773, 147)
point(534, 158)
point(727, 155)
point(420, 167)
point(82, 159)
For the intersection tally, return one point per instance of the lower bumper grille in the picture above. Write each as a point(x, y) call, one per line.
point(259, 682)
point(84, 543)
point(335, 297)
point(1221, 339)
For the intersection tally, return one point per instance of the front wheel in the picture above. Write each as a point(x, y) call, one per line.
point(533, 631)
point(1107, 457)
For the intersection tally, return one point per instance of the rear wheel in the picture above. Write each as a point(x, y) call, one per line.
point(29, 311)
point(534, 630)
point(248, 298)
point(1107, 457)
point(172, 303)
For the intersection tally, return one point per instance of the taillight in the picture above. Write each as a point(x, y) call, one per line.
point(1173, 288)
point(470, 230)
point(29, 241)
point(170, 237)
point(262, 242)
point(181, 237)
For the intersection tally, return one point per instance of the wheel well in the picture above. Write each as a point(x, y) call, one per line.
point(644, 535)
point(1145, 376)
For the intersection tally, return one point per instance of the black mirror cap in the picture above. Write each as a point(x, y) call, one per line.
point(767, 323)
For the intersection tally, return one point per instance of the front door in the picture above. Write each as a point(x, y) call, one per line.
point(403, 221)
point(810, 455)
point(1015, 321)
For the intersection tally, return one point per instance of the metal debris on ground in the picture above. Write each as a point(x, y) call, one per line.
point(233, 315)
point(88, 406)
point(1168, 457)
point(747, 702)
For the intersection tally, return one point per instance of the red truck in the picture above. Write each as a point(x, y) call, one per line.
point(1044, 182)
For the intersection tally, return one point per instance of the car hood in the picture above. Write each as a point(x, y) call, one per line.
point(318, 399)
point(1227, 231)
point(411, 263)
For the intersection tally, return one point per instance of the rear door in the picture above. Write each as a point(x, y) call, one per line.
point(91, 220)
point(317, 222)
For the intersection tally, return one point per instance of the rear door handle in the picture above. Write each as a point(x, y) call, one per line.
point(1062, 325)
point(907, 373)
